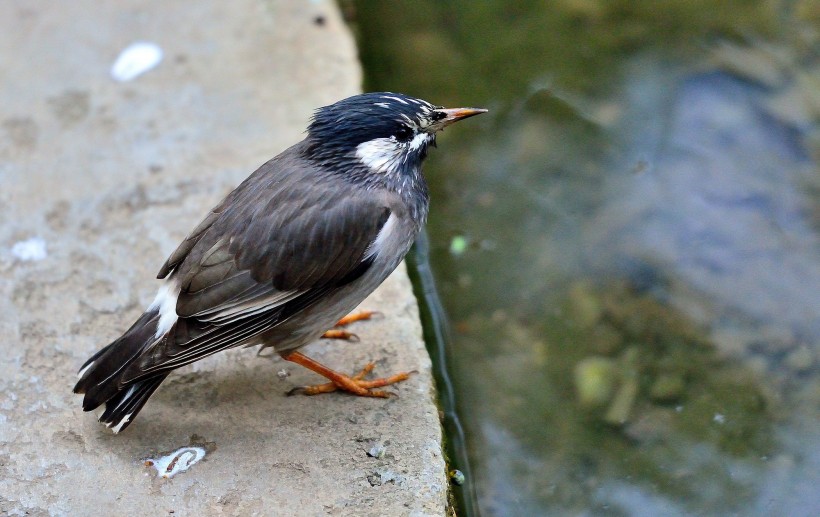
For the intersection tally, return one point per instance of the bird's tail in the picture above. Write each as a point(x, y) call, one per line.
point(102, 376)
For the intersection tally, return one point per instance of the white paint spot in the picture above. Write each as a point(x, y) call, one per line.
point(166, 302)
point(30, 249)
point(178, 461)
point(136, 59)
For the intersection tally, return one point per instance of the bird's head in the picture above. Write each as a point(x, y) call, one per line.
point(386, 133)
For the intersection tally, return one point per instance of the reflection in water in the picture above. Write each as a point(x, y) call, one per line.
point(628, 248)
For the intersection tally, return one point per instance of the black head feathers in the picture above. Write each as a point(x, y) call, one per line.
point(369, 116)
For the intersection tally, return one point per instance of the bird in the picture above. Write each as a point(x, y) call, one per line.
point(285, 255)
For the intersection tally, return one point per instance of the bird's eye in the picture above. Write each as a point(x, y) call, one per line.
point(404, 133)
point(438, 115)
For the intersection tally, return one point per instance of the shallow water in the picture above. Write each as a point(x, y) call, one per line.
point(627, 248)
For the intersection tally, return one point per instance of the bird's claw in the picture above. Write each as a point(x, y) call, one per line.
point(340, 334)
point(356, 385)
point(358, 316)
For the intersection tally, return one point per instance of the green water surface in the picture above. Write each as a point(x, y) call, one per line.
point(627, 247)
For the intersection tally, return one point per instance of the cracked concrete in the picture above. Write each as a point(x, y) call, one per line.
point(111, 176)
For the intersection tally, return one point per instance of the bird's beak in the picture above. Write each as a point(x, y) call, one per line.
point(454, 115)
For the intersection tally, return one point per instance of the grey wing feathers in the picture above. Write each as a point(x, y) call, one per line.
point(273, 247)
point(277, 240)
point(190, 241)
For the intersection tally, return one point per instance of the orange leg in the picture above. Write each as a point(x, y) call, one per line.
point(339, 381)
point(340, 334)
point(356, 316)
point(337, 333)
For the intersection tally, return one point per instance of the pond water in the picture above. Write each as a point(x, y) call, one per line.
point(626, 248)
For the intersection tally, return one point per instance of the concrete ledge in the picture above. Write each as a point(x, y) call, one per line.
point(111, 176)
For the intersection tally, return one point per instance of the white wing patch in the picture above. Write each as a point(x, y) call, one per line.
point(385, 236)
point(419, 140)
point(166, 302)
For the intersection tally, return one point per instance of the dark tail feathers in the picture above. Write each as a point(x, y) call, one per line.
point(101, 377)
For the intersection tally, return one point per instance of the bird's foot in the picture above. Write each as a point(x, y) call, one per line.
point(340, 334)
point(357, 384)
point(357, 316)
point(337, 333)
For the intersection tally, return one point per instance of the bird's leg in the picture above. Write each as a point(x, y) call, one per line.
point(340, 334)
point(356, 384)
point(356, 316)
point(329, 386)
point(337, 333)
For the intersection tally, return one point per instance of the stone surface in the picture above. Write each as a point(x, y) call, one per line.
point(100, 180)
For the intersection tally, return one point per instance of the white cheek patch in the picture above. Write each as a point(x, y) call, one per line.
point(381, 154)
point(419, 140)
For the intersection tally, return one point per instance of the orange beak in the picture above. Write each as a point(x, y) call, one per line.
point(452, 115)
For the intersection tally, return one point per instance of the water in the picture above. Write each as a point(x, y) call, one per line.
point(627, 249)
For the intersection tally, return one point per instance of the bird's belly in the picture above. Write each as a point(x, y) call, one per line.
point(310, 323)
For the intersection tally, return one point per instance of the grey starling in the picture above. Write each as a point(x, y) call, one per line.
point(299, 244)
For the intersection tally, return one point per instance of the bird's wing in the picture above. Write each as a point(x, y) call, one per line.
point(272, 248)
